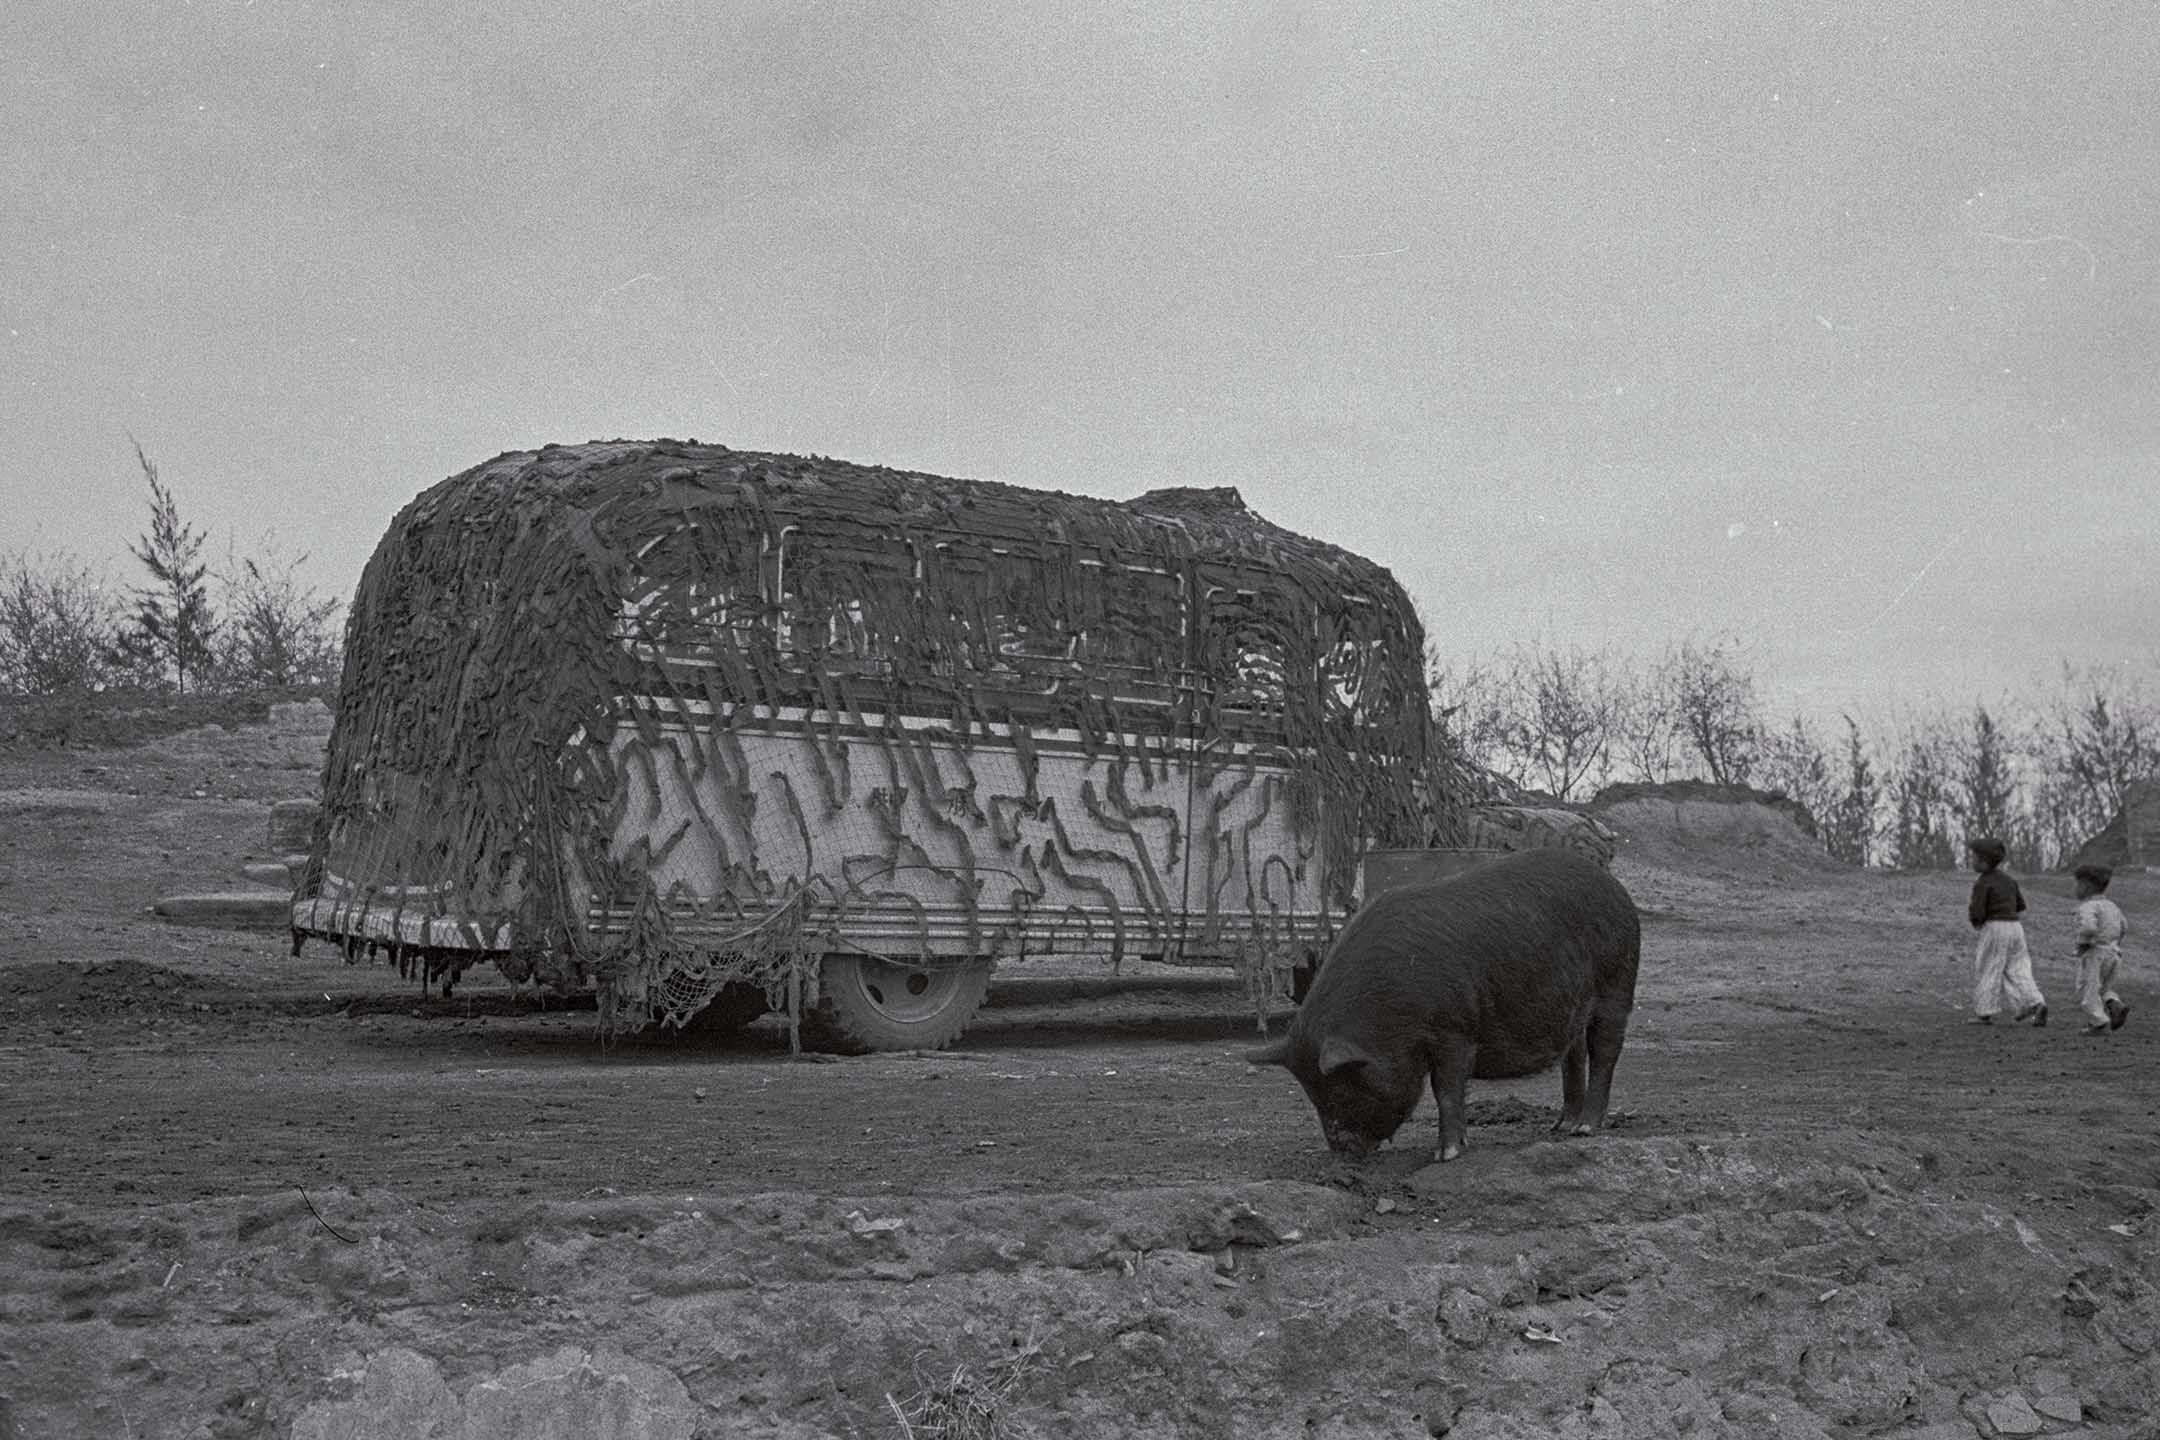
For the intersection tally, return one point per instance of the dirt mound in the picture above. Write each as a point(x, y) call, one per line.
point(1726, 830)
point(111, 719)
point(2131, 838)
point(105, 987)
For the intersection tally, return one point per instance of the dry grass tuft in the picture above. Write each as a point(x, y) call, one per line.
point(965, 1405)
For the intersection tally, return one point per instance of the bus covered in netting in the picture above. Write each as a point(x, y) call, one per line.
point(709, 731)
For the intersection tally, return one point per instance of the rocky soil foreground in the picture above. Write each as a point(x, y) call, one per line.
point(1630, 1287)
point(1828, 1207)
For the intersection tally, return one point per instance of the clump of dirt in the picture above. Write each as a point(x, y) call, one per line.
point(100, 988)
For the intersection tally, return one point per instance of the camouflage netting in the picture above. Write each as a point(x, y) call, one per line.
point(547, 646)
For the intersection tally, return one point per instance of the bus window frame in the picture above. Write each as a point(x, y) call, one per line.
point(1114, 682)
point(1247, 722)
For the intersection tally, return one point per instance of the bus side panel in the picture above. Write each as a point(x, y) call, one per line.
point(915, 845)
point(1256, 867)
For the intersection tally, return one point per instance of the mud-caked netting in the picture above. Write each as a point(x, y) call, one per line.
point(666, 717)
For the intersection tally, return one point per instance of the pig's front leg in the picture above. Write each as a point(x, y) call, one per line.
point(1452, 1060)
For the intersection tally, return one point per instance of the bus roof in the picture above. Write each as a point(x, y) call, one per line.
point(683, 479)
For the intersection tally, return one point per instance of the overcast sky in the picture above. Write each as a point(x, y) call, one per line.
point(1833, 326)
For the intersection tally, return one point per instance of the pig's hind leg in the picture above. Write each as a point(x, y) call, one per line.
point(1608, 1030)
point(1452, 1060)
point(1574, 1084)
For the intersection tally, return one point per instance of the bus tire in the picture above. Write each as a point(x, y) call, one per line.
point(867, 1004)
point(727, 1012)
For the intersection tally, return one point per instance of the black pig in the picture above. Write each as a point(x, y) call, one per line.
point(1497, 972)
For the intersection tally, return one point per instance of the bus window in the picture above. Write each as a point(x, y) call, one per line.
point(1248, 649)
point(1001, 628)
point(1354, 664)
point(1132, 630)
point(687, 589)
point(843, 597)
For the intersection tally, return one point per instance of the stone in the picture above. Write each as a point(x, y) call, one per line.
point(229, 909)
point(399, 1396)
point(292, 825)
point(2012, 1416)
point(2061, 1407)
point(1465, 1317)
point(579, 1395)
point(2053, 1382)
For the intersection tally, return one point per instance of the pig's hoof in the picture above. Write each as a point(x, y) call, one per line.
point(1449, 1152)
point(1583, 1127)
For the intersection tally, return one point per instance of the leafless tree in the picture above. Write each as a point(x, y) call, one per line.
point(1470, 706)
point(1922, 799)
point(1647, 744)
point(1563, 714)
point(2103, 738)
point(1850, 830)
point(1711, 685)
point(1984, 791)
point(1795, 762)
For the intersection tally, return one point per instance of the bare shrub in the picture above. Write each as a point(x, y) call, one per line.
point(277, 631)
point(57, 626)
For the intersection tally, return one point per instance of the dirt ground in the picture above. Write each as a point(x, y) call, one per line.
point(246, 1194)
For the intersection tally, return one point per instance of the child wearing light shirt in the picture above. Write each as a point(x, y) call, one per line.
point(2100, 929)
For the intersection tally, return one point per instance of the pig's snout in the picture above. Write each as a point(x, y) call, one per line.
point(1345, 1141)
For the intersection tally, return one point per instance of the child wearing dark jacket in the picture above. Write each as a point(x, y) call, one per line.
point(2002, 966)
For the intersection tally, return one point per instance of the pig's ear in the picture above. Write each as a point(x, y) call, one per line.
point(1275, 1052)
point(1339, 1052)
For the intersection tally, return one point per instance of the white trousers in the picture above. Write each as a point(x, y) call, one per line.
point(2002, 970)
point(2096, 982)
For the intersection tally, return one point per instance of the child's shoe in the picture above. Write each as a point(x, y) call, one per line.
point(2117, 1013)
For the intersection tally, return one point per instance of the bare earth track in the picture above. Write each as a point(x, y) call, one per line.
point(242, 1194)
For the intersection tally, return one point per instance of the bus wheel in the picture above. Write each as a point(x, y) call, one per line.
point(734, 1007)
point(866, 1004)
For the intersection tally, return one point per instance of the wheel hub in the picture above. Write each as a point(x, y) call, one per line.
point(903, 992)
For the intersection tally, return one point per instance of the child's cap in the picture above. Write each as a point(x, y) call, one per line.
point(1988, 848)
point(2096, 876)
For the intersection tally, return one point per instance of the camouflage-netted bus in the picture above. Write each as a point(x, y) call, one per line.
point(712, 731)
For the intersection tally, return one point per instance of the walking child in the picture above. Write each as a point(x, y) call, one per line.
point(2100, 929)
point(2002, 966)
